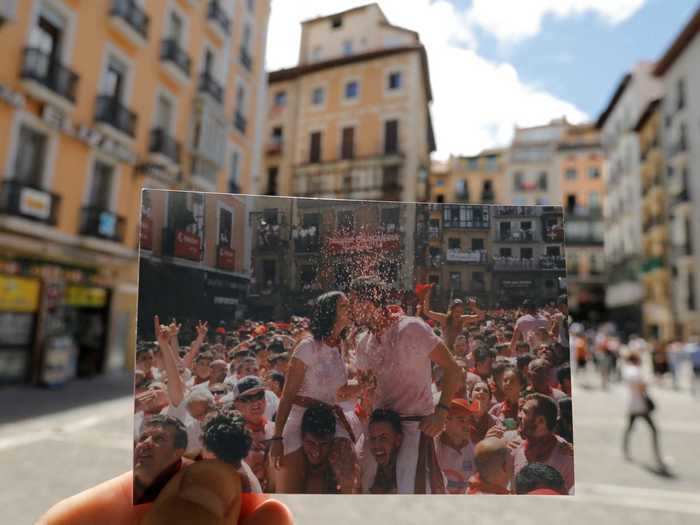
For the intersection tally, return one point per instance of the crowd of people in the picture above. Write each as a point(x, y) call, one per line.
point(361, 397)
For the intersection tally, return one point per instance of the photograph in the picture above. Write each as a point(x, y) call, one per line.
point(325, 346)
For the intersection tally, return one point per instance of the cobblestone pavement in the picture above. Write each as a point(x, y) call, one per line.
point(56, 443)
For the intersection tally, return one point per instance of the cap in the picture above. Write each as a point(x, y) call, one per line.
point(460, 404)
point(248, 385)
point(276, 347)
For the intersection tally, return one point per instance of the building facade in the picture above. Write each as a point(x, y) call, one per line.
point(579, 163)
point(531, 176)
point(352, 119)
point(680, 111)
point(98, 100)
point(477, 178)
point(623, 203)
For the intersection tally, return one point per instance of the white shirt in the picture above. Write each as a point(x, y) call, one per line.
point(632, 376)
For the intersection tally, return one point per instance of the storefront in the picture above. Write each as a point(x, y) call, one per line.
point(511, 289)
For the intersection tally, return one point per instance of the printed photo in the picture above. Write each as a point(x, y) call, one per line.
point(325, 346)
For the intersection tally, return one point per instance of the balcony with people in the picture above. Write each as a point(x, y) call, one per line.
point(543, 263)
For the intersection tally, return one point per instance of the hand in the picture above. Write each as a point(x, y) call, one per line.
point(202, 328)
point(496, 431)
point(277, 454)
point(434, 424)
point(205, 493)
point(174, 329)
point(161, 331)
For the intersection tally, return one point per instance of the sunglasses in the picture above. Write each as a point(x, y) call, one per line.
point(218, 392)
point(255, 397)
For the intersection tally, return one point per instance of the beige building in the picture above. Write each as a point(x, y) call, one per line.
point(478, 178)
point(352, 119)
point(99, 99)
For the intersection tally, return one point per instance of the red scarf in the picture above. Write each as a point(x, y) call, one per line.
point(256, 427)
point(538, 450)
point(478, 486)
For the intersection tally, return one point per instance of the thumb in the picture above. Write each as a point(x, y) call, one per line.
point(206, 493)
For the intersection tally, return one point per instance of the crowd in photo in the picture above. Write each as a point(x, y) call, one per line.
point(365, 395)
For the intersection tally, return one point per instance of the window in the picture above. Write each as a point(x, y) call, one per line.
point(164, 113)
point(29, 162)
point(394, 80)
point(487, 187)
point(391, 137)
point(594, 200)
point(251, 5)
point(225, 227)
point(347, 150)
point(176, 27)
point(315, 147)
point(347, 47)
point(478, 244)
point(473, 163)
point(316, 53)
point(518, 180)
point(454, 244)
point(351, 90)
point(233, 186)
point(526, 253)
point(505, 252)
point(101, 189)
point(680, 94)
point(269, 272)
point(440, 183)
point(208, 66)
point(272, 175)
point(280, 99)
point(246, 38)
point(455, 281)
point(570, 174)
point(317, 96)
point(440, 199)
point(491, 163)
point(462, 190)
point(337, 22)
point(390, 177)
point(593, 173)
point(114, 79)
point(240, 99)
point(571, 202)
point(526, 225)
point(47, 35)
point(542, 180)
point(553, 251)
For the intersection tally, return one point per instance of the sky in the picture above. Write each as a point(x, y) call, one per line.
point(497, 64)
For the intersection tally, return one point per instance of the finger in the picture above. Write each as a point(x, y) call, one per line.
point(207, 493)
point(156, 322)
point(108, 504)
point(258, 510)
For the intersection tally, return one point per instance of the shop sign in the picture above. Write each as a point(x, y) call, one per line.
point(12, 97)
point(226, 259)
point(87, 135)
point(35, 203)
point(85, 297)
point(187, 245)
point(364, 243)
point(476, 256)
point(146, 233)
point(517, 284)
point(19, 294)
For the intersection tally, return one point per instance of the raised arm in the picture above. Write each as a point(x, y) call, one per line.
point(440, 355)
point(435, 316)
point(201, 328)
point(176, 388)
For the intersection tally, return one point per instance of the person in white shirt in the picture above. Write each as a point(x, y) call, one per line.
point(639, 405)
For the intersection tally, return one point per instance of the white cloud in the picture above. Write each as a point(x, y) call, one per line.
point(477, 102)
point(514, 20)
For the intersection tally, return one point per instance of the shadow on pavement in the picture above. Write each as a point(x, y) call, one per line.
point(24, 402)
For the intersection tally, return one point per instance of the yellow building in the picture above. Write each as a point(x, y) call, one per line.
point(97, 100)
point(657, 314)
point(352, 119)
point(579, 163)
point(478, 178)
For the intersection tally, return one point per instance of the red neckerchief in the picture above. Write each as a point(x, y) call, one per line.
point(538, 450)
point(332, 342)
point(390, 317)
point(480, 425)
point(256, 427)
point(509, 410)
point(478, 486)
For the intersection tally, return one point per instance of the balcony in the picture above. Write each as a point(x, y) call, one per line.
point(45, 78)
point(517, 236)
point(129, 18)
point(488, 197)
point(467, 256)
point(275, 146)
point(271, 237)
point(162, 144)
point(473, 224)
point(681, 197)
point(306, 243)
point(29, 202)
point(175, 60)
point(103, 224)
point(462, 196)
point(209, 86)
point(246, 60)
point(434, 234)
point(218, 18)
point(110, 111)
point(182, 243)
point(515, 211)
point(240, 122)
point(554, 233)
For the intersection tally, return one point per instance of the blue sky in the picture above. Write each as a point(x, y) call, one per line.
point(582, 58)
point(498, 64)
